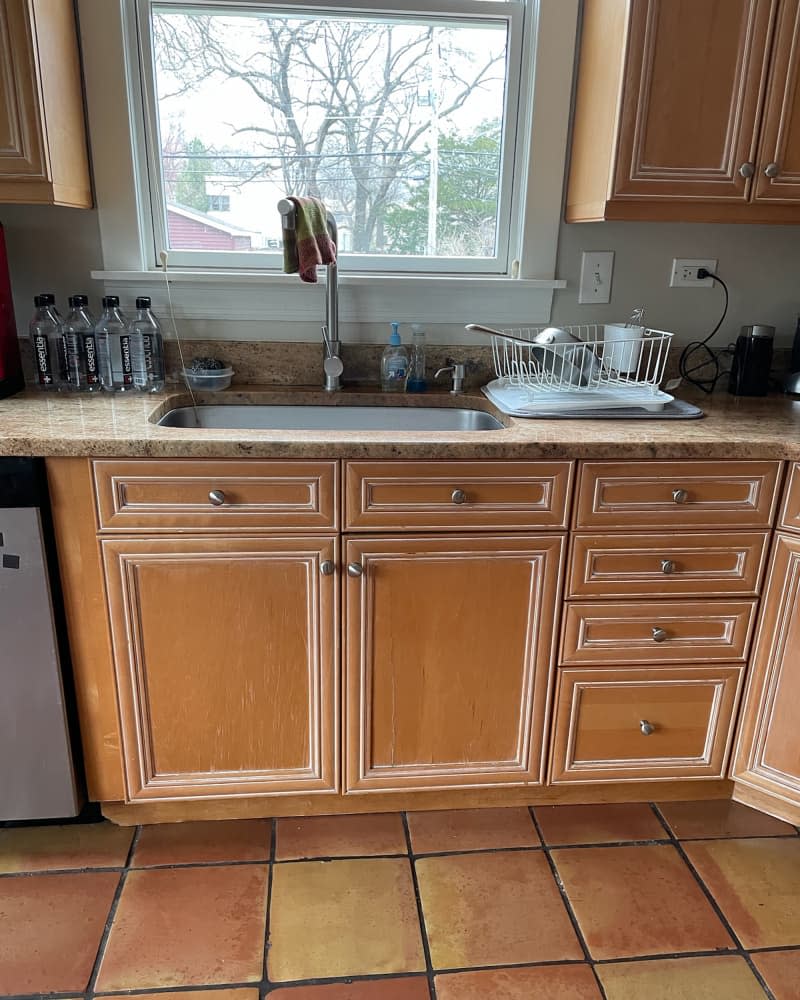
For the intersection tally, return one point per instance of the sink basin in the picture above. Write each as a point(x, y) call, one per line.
point(259, 416)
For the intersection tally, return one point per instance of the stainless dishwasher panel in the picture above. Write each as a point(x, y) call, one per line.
point(36, 770)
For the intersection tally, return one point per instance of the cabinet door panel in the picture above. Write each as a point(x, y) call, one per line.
point(225, 658)
point(449, 653)
point(780, 137)
point(692, 93)
point(21, 141)
point(768, 754)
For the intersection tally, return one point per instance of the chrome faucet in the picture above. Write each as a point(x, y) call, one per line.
point(332, 365)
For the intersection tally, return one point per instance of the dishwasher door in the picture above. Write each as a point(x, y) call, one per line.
point(37, 779)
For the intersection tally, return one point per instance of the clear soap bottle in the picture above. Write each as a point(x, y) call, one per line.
point(147, 348)
point(394, 363)
point(47, 340)
point(83, 364)
point(416, 373)
point(114, 348)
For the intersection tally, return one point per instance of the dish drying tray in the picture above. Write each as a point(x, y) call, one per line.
point(585, 374)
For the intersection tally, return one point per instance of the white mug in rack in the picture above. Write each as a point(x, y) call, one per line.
point(622, 347)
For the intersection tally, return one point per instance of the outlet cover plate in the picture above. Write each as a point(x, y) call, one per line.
point(684, 273)
point(597, 270)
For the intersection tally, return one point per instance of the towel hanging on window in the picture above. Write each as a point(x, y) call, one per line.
point(309, 244)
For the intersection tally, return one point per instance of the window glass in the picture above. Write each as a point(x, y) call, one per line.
point(396, 122)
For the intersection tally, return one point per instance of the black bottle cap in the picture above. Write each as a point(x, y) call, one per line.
point(76, 301)
point(110, 301)
point(40, 301)
point(143, 302)
point(50, 299)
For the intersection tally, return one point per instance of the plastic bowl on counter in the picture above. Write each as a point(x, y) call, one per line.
point(208, 379)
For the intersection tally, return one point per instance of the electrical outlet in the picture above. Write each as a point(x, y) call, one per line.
point(597, 269)
point(684, 273)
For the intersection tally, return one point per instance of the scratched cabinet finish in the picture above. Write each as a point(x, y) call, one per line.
point(226, 664)
point(448, 650)
point(767, 766)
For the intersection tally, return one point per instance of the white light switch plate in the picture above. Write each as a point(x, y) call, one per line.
point(597, 269)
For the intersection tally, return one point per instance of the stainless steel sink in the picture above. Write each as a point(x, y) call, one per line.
point(259, 416)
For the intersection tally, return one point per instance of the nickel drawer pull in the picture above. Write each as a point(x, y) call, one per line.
point(355, 569)
point(667, 566)
point(772, 170)
point(327, 568)
point(680, 496)
point(217, 498)
point(459, 496)
point(659, 634)
point(646, 727)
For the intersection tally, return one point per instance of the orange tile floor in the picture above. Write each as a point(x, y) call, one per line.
point(680, 901)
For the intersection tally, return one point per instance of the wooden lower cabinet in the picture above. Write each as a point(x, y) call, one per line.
point(225, 653)
point(449, 652)
point(766, 769)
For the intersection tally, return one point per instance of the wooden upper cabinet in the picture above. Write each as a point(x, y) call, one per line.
point(225, 653)
point(669, 110)
point(43, 156)
point(449, 653)
point(766, 770)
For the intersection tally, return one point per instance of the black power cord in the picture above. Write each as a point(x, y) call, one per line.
point(698, 355)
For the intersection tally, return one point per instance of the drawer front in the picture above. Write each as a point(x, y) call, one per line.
point(790, 513)
point(634, 725)
point(625, 495)
point(216, 495)
point(620, 632)
point(456, 495)
point(654, 565)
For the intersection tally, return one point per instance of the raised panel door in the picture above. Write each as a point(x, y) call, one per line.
point(778, 167)
point(768, 753)
point(449, 653)
point(225, 655)
point(692, 93)
point(21, 140)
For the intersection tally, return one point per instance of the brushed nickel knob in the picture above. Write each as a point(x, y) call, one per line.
point(327, 568)
point(646, 727)
point(667, 566)
point(355, 569)
point(459, 496)
point(771, 170)
point(680, 496)
point(659, 634)
point(217, 498)
point(747, 170)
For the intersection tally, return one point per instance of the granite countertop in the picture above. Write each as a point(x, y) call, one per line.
point(104, 425)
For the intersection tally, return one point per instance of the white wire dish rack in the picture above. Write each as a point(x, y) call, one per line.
point(537, 373)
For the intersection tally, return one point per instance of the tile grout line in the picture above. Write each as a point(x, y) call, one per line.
point(420, 913)
point(101, 948)
point(264, 986)
point(714, 905)
point(566, 901)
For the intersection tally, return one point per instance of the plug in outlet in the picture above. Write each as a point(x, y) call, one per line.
point(684, 273)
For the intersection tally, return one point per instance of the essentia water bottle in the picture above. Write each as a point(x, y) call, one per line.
point(47, 340)
point(83, 364)
point(147, 348)
point(114, 348)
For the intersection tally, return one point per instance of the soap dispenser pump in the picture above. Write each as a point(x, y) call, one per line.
point(394, 363)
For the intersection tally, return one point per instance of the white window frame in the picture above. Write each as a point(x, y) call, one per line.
point(523, 293)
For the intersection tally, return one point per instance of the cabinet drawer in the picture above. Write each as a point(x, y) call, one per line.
point(613, 725)
point(216, 495)
point(656, 632)
point(790, 514)
point(654, 565)
point(625, 495)
point(456, 495)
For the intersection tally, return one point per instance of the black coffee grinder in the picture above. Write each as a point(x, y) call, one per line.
point(752, 360)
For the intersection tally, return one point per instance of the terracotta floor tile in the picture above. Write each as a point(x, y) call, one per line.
point(50, 930)
point(187, 927)
point(781, 972)
point(343, 918)
point(720, 818)
point(756, 883)
point(599, 824)
point(494, 909)
point(722, 977)
point(50, 848)
point(638, 901)
point(471, 830)
point(241, 994)
point(550, 982)
point(195, 843)
point(411, 988)
point(340, 836)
